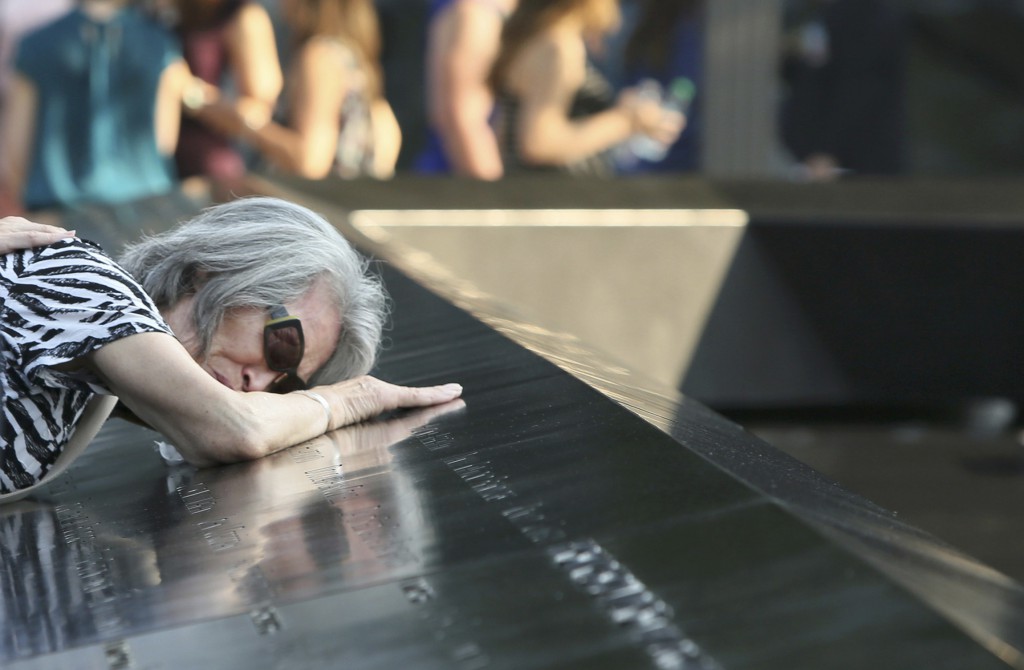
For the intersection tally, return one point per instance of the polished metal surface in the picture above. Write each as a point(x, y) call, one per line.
point(539, 526)
point(561, 518)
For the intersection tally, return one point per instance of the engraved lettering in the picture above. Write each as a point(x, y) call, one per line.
point(627, 602)
point(304, 453)
point(433, 440)
point(223, 540)
point(617, 592)
point(210, 525)
point(330, 481)
point(117, 655)
point(197, 499)
point(266, 620)
point(451, 630)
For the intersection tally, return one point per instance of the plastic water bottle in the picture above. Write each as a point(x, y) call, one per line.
point(677, 99)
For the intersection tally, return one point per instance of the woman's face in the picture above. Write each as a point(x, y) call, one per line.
point(235, 358)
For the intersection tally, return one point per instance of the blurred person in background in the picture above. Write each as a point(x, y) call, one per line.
point(229, 45)
point(93, 109)
point(555, 110)
point(18, 17)
point(335, 119)
point(462, 43)
point(843, 70)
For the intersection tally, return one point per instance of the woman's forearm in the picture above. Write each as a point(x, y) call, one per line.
point(207, 421)
point(211, 423)
point(260, 424)
point(292, 151)
point(551, 140)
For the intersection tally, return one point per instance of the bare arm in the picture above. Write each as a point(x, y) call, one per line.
point(465, 46)
point(387, 138)
point(254, 57)
point(257, 72)
point(546, 79)
point(210, 423)
point(168, 105)
point(318, 88)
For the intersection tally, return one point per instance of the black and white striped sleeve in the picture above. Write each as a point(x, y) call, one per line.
point(66, 300)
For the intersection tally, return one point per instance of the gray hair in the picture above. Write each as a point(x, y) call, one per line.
point(260, 252)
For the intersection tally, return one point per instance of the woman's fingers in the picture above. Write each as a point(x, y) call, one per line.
point(427, 395)
point(365, 397)
point(17, 233)
point(651, 118)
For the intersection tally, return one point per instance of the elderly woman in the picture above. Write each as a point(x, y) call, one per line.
point(244, 331)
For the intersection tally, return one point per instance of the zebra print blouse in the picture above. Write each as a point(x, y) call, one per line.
point(57, 304)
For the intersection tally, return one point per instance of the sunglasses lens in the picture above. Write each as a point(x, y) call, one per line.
point(282, 347)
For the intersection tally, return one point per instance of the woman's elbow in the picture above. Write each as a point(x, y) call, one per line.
point(246, 445)
point(303, 164)
point(538, 153)
point(541, 144)
point(227, 446)
point(268, 88)
point(302, 167)
point(313, 171)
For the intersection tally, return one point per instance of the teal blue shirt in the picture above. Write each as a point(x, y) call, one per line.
point(96, 87)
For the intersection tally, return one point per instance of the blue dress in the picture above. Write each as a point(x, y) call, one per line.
point(96, 85)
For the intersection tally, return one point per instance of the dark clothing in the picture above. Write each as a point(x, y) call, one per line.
point(848, 101)
point(202, 151)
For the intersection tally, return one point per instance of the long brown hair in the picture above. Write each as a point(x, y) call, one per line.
point(529, 19)
point(354, 21)
point(650, 45)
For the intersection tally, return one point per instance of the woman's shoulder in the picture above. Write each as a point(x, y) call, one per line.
point(556, 47)
point(73, 257)
point(245, 12)
point(553, 54)
point(245, 21)
point(80, 279)
point(72, 247)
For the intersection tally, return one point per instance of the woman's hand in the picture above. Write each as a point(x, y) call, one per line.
point(358, 399)
point(648, 117)
point(17, 234)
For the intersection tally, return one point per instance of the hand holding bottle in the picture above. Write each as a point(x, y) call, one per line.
point(658, 118)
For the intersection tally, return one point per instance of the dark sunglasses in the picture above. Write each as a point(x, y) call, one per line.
point(283, 347)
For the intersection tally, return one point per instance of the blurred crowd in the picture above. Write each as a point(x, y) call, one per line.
point(113, 100)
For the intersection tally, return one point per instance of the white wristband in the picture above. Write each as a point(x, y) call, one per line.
point(323, 403)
